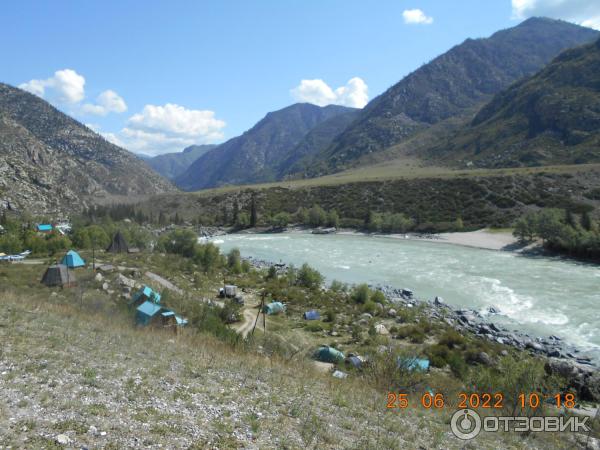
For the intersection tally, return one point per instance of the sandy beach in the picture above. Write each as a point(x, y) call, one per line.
point(497, 240)
point(484, 238)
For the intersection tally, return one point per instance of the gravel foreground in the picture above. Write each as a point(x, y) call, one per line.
point(71, 378)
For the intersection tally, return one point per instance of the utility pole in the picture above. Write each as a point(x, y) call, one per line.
point(261, 309)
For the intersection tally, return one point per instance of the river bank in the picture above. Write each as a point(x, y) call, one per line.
point(561, 358)
point(483, 239)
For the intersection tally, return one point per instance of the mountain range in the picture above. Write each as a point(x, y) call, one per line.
point(422, 110)
point(550, 118)
point(261, 153)
point(463, 78)
point(527, 95)
point(51, 162)
point(171, 165)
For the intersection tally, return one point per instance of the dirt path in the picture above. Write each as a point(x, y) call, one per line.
point(248, 318)
point(249, 312)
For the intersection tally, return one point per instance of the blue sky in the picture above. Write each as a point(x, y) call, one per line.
point(181, 72)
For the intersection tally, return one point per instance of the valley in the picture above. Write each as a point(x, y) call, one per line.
point(259, 250)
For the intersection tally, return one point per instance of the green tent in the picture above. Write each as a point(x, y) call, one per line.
point(274, 308)
point(328, 354)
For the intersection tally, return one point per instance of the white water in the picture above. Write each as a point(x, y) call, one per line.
point(543, 296)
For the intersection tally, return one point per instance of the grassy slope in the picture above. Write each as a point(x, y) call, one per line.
point(480, 197)
point(66, 365)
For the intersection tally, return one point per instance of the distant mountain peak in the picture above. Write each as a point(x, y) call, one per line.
point(464, 77)
point(257, 155)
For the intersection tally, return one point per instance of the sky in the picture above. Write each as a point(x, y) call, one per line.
point(157, 76)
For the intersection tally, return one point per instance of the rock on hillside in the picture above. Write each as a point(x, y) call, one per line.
point(49, 162)
point(465, 76)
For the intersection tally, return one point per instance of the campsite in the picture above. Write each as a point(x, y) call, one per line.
point(175, 290)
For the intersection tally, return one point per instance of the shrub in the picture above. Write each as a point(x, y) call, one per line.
point(457, 364)
point(234, 261)
point(336, 286)
point(378, 297)
point(438, 355)
point(330, 316)
point(412, 332)
point(369, 307)
point(391, 370)
point(451, 339)
point(313, 327)
point(360, 294)
point(271, 273)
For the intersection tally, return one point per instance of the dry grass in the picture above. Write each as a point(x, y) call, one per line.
point(67, 366)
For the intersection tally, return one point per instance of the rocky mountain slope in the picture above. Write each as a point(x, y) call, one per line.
point(315, 141)
point(550, 118)
point(465, 76)
point(49, 162)
point(171, 165)
point(260, 153)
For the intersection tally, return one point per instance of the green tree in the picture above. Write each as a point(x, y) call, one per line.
point(280, 219)
point(549, 223)
point(243, 220)
point(333, 219)
point(317, 216)
point(181, 242)
point(458, 224)
point(309, 277)
point(586, 221)
point(374, 222)
point(253, 212)
point(570, 219)
point(10, 243)
point(234, 261)
point(302, 216)
point(236, 211)
point(208, 257)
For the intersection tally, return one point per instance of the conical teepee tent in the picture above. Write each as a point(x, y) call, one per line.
point(118, 244)
point(59, 275)
point(72, 259)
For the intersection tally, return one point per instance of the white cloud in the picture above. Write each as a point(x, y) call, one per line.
point(107, 102)
point(176, 120)
point(66, 86)
point(168, 128)
point(416, 17)
point(354, 93)
point(583, 12)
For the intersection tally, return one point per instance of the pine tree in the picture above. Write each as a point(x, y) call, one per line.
point(586, 221)
point(253, 213)
point(570, 219)
point(236, 211)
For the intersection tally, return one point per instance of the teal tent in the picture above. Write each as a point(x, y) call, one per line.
point(328, 354)
point(146, 312)
point(72, 259)
point(274, 308)
point(413, 364)
point(145, 294)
